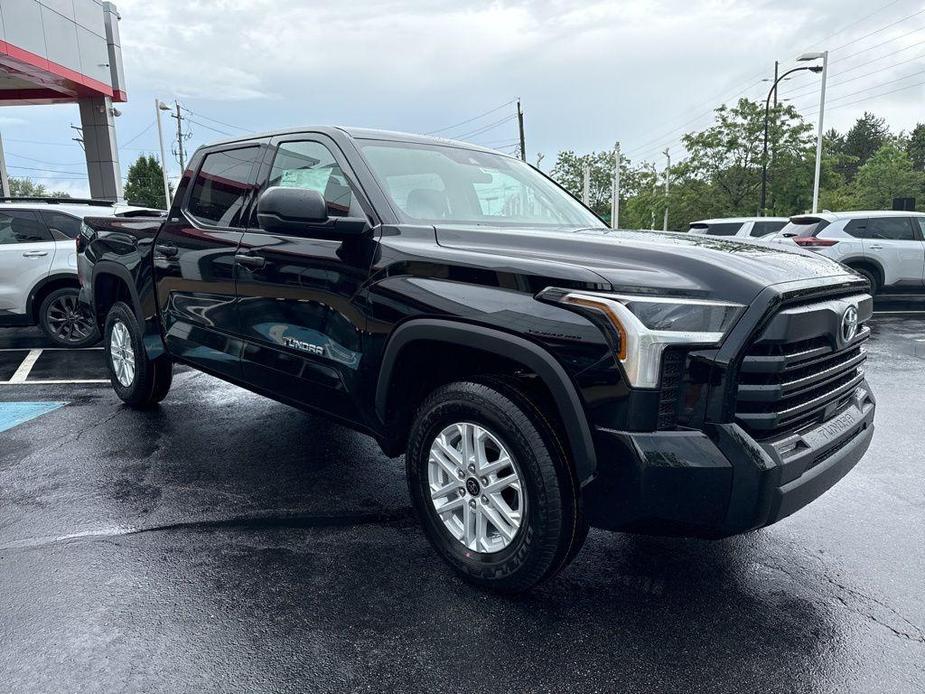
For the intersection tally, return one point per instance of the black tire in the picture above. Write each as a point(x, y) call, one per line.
point(552, 527)
point(151, 380)
point(65, 322)
point(871, 277)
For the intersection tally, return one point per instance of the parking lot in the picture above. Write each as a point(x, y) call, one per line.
point(228, 543)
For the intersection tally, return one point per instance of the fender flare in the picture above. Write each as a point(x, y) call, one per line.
point(44, 282)
point(108, 267)
point(531, 355)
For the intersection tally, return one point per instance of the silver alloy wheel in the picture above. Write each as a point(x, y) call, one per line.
point(475, 487)
point(122, 354)
point(68, 320)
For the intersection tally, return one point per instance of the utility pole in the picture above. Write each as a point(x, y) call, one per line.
point(79, 139)
point(667, 181)
point(776, 68)
point(615, 203)
point(520, 125)
point(586, 187)
point(4, 179)
point(180, 154)
point(158, 107)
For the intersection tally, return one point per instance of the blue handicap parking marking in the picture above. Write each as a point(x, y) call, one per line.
point(15, 413)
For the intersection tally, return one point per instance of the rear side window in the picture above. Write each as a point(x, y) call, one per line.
point(64, 224)
point(921, 223)
point(22, 226)
point(765, 228)
point(311, 165)
point(890, 229)
point(724, 229)
point(222, 187)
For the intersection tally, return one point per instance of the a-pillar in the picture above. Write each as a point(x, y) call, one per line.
point(99, 136)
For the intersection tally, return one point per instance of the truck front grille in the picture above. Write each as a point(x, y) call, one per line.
point(797, 373)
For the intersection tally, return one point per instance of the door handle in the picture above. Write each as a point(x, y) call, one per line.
point(876, 248)
point(253, 262)
point(166, 250)
point(34, 254)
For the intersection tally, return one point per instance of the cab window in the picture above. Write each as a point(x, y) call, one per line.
point(312, 166)
point(222, 187)
point(890, 229)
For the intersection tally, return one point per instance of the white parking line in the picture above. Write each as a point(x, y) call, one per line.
point(76, 381)
point(22, 373)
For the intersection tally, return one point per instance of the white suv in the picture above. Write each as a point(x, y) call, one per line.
point(38, 264)
point(888, 248)
point(740, 227)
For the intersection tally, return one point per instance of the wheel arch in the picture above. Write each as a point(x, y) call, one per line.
point(861, 261)
point(112, 282)
point(512, 348)
point(49, 284)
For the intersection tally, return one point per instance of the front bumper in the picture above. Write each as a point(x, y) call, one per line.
point(720, 481)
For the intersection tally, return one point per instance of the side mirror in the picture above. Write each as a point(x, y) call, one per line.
point(303, 212)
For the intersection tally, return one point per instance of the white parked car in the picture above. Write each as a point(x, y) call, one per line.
point(740, 227)
point(888, 248)
point(38, 264)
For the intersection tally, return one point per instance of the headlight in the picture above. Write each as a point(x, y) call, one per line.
point(646, 325)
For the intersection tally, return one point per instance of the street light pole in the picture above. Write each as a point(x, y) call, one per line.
point(667, 180)
point(158, 107)
point(767, 109)
point(825, 72)
point(615, 205)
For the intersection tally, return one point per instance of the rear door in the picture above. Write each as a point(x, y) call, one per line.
point(194, 260)
point(897, 246)
point(299, 297)
point(27, 250)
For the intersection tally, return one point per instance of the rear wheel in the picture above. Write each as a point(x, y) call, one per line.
point(871, 277)
point(493, 487)
point(65, 321)
point(139, 381)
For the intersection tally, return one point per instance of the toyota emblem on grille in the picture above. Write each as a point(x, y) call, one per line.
point(849, 324)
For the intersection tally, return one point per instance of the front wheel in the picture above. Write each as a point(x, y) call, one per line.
point(139, 381)
point(493, 487)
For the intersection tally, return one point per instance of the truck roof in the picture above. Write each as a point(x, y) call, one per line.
point(360, 134)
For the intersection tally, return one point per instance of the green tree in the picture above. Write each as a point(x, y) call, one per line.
point(729, 155)
point(26, 188)
point(144, 184)
point(568, 172)
point(866, 136)
point(916, 147)
point(887, 174)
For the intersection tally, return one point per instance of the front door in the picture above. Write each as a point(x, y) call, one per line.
point(194, 260)
point(26, 253)
point(897, 246)
point(299, 308)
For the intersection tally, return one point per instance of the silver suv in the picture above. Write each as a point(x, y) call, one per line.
point(888, 248)
point(38, 264)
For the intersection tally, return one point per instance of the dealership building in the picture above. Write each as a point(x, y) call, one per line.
point(68, 51)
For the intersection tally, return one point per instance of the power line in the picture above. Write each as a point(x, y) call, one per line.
point(877, 31)
point(873, 96)
point(130, 141)
point(486, 128)
point(209, 127)
point(470, 120)
point(858, 21)
point(859, 77)
point(42, 161)
point(215, 120)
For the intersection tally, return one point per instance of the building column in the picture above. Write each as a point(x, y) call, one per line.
point(99, 136)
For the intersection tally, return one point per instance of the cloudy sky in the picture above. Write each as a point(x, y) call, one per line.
point(589, 73)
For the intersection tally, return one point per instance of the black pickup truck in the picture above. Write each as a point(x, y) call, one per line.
point(540, 372)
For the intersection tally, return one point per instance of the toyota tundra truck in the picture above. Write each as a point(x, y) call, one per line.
point(540, 372)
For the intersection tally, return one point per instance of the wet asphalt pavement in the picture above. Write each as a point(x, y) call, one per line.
point(228, 543)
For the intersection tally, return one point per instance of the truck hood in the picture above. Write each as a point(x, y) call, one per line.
point(667, 262)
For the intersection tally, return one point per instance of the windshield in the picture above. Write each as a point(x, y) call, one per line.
point(439, 184)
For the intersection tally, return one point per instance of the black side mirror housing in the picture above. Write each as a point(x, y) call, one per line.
point(303, 212)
